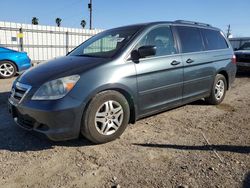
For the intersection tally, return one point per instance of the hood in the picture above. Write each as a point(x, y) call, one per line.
point(60, 67)
point(239, 52)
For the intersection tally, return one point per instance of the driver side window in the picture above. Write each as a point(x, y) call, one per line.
point(161, 38)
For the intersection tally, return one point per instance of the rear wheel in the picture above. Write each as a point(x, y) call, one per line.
point(7, 69)
point(218, 91)
point(106, 117)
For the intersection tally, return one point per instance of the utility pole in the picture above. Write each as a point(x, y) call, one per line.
point(228, 30)
point(90, 14)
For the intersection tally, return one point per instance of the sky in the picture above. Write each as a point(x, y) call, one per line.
point(113, 13)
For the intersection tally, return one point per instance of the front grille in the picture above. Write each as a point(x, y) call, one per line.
point(19, 91)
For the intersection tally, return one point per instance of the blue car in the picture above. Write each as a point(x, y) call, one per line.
point(12, 62)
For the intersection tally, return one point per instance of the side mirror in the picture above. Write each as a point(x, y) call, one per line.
point(135, 56)
point(146, 51)
point(142, 52)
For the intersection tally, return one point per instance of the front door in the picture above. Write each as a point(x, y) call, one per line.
point(159, 77)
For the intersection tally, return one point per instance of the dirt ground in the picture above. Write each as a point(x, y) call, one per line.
point(195, 145)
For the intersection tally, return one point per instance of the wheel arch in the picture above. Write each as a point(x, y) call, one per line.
point(131, 103)
point(225, 74)
point(124, 91)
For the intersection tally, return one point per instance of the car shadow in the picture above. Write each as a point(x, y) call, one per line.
point(246, 181)
point(18, 140)
point(243, 73)
point(222, 148)
point(200, 102)
point(4, 98)
point(13, 138)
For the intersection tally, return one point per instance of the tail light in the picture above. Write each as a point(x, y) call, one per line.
point(234, 59)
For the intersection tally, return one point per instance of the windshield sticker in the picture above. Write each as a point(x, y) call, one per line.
point(116, 38)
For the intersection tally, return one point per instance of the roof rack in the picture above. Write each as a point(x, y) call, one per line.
point(191, 22)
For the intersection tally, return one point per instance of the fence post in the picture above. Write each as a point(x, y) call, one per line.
point(67, 42)
point(20, 36)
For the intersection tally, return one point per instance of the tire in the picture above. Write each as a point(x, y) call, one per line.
point(7, 69)
point(218, 91)
point(100, 123)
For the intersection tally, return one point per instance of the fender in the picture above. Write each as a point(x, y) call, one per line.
point(130, 95)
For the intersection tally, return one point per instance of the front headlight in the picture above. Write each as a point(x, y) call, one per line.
point(56, 89)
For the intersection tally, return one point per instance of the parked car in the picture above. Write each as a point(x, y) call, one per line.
point(242, 52)
point(237, 42)
point(122, 75)
point(12, 62)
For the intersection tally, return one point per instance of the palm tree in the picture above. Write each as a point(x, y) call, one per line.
point(35, 21)
point(58, 22)
point(83, 23)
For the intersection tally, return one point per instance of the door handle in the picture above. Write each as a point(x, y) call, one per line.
point(189, 61)
point(175, 62)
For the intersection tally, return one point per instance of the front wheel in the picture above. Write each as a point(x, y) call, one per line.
point(218, 91)
point(106, 117)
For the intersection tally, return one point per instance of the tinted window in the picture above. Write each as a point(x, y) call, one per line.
point(245, 46)
point(235, 44)
point(160, 37)
point(213, 39)
point(239, 43)
point(190, 39)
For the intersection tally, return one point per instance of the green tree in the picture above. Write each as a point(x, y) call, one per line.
point(34, 21)
point(58, 22)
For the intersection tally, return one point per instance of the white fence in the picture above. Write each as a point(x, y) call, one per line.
point(42, 42)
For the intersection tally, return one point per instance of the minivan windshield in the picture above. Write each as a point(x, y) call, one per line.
point(105, 44)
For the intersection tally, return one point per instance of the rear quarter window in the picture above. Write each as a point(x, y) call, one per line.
point(190, 39)
point(213, 39)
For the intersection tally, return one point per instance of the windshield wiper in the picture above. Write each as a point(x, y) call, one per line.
point(86, 55)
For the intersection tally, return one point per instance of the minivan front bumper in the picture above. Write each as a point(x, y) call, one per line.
point(58, 120)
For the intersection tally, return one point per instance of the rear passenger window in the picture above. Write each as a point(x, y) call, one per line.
point(190, 39)
point(213, 39)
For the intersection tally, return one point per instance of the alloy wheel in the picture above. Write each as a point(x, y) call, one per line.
point(219, 89)
point(6, 69)
point(109, 117)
